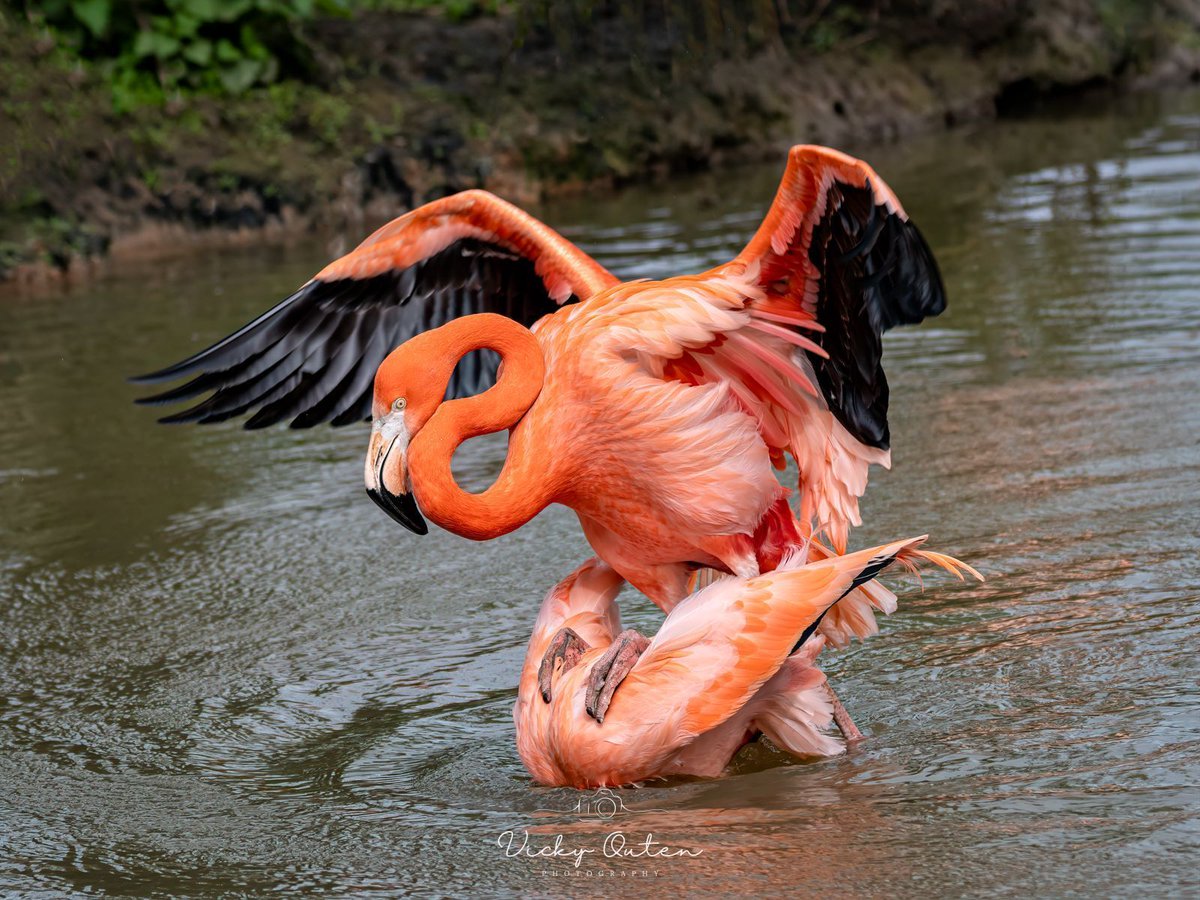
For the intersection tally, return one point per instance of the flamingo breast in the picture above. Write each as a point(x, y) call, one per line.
point(663, 467)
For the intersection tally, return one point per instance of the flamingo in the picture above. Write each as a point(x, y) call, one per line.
point(656, 410)
point(731, 661)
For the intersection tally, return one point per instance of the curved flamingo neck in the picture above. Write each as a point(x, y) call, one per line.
point(522, 489)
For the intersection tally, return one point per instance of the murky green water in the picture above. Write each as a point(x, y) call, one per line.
point(222, 669)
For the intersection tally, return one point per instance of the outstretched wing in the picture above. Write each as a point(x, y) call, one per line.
point(793, 325)
point(312, 358)
point(837, 246)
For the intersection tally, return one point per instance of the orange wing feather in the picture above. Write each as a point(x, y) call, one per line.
point(477, 214)
point(781, 244)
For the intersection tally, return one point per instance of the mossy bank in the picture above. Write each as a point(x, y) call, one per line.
point(406, 107)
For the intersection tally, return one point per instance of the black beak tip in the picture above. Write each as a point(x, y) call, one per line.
point(402, 508)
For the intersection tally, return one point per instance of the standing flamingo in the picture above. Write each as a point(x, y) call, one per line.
point(656, 410)
point(731, 661)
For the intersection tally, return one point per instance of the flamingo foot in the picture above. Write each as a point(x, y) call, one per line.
point(842, 719)
point(565, 650)
point(610, 670)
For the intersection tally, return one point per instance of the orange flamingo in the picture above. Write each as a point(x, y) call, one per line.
point(655, 410)
point(731, 661)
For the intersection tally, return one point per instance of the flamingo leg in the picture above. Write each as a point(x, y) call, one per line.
point(842, 719)
point(610, 670)
point(565, 650)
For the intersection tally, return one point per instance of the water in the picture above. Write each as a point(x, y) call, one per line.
point(223, 670)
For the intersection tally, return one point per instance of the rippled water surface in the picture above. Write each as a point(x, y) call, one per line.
point(223, 670)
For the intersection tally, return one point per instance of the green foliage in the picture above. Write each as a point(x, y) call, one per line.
point(828, 31)
point(151, 50)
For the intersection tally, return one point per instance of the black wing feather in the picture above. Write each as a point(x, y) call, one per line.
point(239, 398)
point(318, 378)
point(312, 357)
point(877, 272)
point(358, 395)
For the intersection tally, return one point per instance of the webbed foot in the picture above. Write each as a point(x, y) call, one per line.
point(610, 670)
point(565, 650)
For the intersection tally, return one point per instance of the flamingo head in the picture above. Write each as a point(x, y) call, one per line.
point(405, 398)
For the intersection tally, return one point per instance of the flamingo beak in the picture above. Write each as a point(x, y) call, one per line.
point(386, 474)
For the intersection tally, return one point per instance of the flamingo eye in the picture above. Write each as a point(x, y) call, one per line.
point(398, 404)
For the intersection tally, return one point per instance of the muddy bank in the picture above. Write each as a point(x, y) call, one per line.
point(411, 107)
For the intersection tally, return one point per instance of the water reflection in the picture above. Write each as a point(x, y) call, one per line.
point(222, 670)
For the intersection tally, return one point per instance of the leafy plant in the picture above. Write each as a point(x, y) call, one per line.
point(152, 49)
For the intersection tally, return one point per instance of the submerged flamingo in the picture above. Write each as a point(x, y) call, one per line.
point(731, 661)
point(657, 410)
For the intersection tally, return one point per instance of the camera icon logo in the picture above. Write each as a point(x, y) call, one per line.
point(604, 804)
